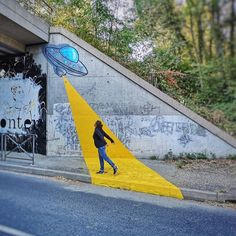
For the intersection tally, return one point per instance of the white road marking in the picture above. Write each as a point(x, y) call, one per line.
point(12, 231)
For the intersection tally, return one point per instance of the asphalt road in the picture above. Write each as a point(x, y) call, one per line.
point(42, 206)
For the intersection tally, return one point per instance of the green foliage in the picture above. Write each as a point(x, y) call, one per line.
point(232, 157)
point(170, 155)
point(153, 157)
point(189, 156)
point(216, 82)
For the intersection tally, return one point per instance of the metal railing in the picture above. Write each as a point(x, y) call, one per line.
point(2, 148)
point(38, 7)
point(17, 146)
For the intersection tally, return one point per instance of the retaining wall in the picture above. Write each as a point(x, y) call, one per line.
point(147, 121)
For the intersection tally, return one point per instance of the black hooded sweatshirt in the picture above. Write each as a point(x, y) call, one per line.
point(98, 137)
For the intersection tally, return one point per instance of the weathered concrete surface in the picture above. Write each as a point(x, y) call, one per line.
point(206, 175)
point(11, 44)
point(45, 172)
point(147, 121)
point(19, 28)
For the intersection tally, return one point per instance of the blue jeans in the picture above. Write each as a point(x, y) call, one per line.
point(103, 156)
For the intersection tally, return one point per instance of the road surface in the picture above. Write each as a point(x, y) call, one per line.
point(31, 205)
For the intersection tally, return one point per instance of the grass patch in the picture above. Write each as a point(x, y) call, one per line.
point(231, 157)
point(153, 157)
point(190, 156)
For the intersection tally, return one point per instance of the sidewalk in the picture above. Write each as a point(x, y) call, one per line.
point(198, 180)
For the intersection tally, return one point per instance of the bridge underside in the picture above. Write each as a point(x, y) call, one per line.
point(19, 29)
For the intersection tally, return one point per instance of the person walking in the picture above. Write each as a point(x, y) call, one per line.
point(100, 144)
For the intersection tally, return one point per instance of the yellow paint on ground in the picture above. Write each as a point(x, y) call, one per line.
point(132, 174)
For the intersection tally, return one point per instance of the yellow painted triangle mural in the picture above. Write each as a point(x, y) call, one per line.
point(132, 174)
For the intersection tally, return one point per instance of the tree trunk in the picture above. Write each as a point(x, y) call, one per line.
point(210, 47)
point(201, 45)
point(192, 29)
point(232, 29)
point(218, 37)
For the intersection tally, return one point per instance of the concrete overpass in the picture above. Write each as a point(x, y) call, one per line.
point(19, 28)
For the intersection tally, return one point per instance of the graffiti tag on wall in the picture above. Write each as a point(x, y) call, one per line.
point(20, 106)
point(128, 127)
point(23, 99)
point(62, 131)
point(113, 108)
point(65, 125)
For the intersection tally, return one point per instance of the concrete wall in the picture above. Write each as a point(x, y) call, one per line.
point(148, 123)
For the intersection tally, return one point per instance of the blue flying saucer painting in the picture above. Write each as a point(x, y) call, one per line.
point(65, 60)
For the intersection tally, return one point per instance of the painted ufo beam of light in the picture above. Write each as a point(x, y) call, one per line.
point(65, 60)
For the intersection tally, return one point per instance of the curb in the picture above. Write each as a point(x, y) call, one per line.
point(45, 172)
point(188, 194)
point(200, 195)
